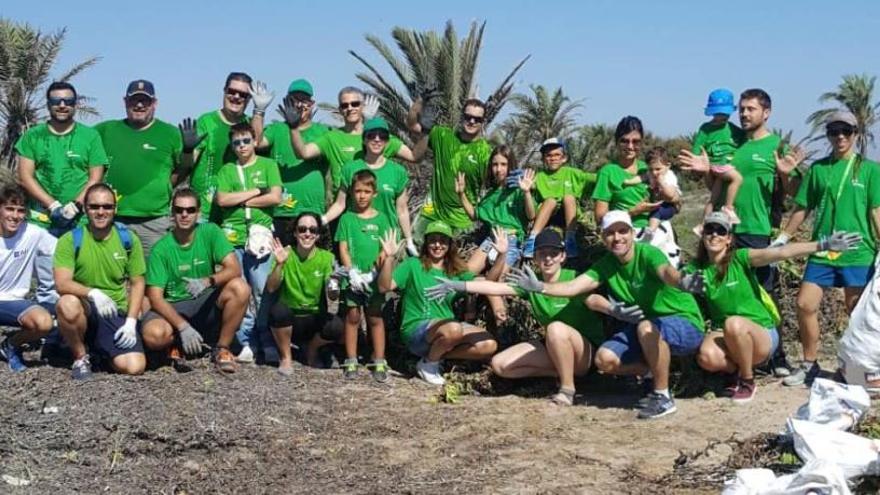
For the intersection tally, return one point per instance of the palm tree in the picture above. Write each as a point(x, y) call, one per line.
point(430, 63)
point(27, 57)
point(591, 146)
point(540, 117)
point(856, 94)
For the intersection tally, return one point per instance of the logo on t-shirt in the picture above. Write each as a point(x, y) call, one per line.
point(348, 149)
point(118, 256)
point(732, 283)
point(388, 188)
point(758, 158)
point(317, 273)
point(148, 146)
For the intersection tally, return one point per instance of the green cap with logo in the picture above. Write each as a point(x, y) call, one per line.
point(376, 124)
point(438, 227)
point(301, 86)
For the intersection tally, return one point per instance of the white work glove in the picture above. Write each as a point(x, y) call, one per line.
point(70, 211)
point(195, 286)
point(780, 241)
point(261, 96)
point(357, 280)
point(126, 336)
point(54, 206)
point(190, 339)
point(411, 248)
point(371, 107)
point(106, 306)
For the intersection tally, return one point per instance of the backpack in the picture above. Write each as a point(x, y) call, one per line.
point(122, 230)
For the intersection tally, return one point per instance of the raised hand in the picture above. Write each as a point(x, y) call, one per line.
point(527, 179)
point(840, 242)
point(787, 163)
point(500, 241)
point(444, 288)
point(291, 114)
point(279, 251)
point(692, 162)
point(524, 279)
point(261, 96)
point(390, 244)
point(189, 135)
point(693, 283)
point(460, 183)
point(371, 106)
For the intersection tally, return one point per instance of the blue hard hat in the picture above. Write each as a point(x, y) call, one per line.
point(720, 101)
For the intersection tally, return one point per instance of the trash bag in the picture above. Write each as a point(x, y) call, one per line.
point(664, 239)
point(856, 456)
point(859, 351)
point(835, 405)
point(815, 477)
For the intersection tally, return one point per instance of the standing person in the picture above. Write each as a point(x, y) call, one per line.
point(190, 299)
point(57, 162)
point(247, 192)
point(844, 191)
point(307, 284)
point(743, 316)
point(303, 181)
point(143, 158)
point(358, 237)
point(21, 244)
point(429, 328)
point(93, 266)
point(462, 150)
point(659, 320)
point(571, 330)
point(611, 193)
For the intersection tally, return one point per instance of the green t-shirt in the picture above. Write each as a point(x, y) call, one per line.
point(571, 311)
point(303, 181)
point(261, 173)
point(719, 141)
point(737, 294)
point(610, 188)
point(302, 280)
point(391, 181)
point(850, 212)
point(61, 163)
point(103, 264)
point(363, 236)
point(412, 280)
point(504, 207)
point(755, 161)
point(340, 147)
point(637, 282)
point(170, 262)
point(564, 181)
point(214, 151)
point(451, 156)
point(140, 164)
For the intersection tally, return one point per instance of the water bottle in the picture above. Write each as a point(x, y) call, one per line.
point(333, 296)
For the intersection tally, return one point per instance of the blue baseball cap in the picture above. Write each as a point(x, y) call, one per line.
point(140, 87)
point(720, 101)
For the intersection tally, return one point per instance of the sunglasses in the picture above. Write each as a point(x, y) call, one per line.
point(715, 229)
point(632, 142)
point(548, 252)
point(189, 210)
point(372, 135)
point(56, 102)
point(139, 100)
point(244, 95)
point(302, 229)
point(101, 206)
point(472, 118)
point(241, 142)
point(349, 104)
point(840, 131)
point(437, 239)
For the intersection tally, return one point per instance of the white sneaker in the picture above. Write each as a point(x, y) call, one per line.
point(430, 372)
point(246, 355)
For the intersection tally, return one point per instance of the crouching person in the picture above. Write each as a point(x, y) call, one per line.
point(190, 301)
point(92, 265)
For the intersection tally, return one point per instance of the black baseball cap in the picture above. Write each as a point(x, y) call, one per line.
point(549, 237)
point(140, 87)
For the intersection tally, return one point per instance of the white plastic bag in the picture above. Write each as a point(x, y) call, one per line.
point(259, 241)
point(816, 476)
point(859, 350)
point(834, 404)
point(856, 456)
point(664, 239)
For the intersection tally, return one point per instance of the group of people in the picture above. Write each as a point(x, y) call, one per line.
point(206, 237)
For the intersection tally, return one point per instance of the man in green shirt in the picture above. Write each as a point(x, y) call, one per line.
point(93, 266)
point(143, 157)
point(660, 319)
point(57, 162)
point(189, 298)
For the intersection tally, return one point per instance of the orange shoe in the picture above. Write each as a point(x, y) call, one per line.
point(224, 360)
point(178, 361)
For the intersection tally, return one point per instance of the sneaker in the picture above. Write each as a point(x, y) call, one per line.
point(803, 375)
point(430, 372)
point(731, 385)
point(731, 213)
point(225, 361)
point(745, 391)
point(178, 361)
point(285, 370)
point(350, 368)
point(12, 355)
point(571, 245)
point(379, 370)
point(81, 369)
point(658, 406)
point(246, 355)
point(563, 398)
point(529, 247)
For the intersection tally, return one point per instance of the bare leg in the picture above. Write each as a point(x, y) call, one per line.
point(569, 352)
point(233, 301)
point(157, 334)
point(282, 337)
point(609, 363)
point(72, 324)
point(476, 344)
point(747, 343)
point(352, 322)
point(734, 180)
point(712, 356)
point(35, 324)
point(569, 211)
point(526, 359)
point(377, 333)
point(656, 353)
point(809, 297)
point(542, 218)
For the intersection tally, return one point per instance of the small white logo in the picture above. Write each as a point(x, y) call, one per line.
point(348, 149)
point(73, 154)
point(387, 187)
point(733, 283)
point(317, 273)
point(472, 159)
point(118, 256)
point(148, 146)
point(198, 262)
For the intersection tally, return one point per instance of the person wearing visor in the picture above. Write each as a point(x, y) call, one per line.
point(744, 318)
point(646, 294)
point(843, 189)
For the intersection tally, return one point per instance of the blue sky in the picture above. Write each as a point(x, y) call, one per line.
point(656, 60)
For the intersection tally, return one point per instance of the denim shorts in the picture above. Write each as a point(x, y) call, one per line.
point(679, 333)
point(514, 249)
point(12, 311)
point(838, 276)
point(774, 342)
point(418, 341)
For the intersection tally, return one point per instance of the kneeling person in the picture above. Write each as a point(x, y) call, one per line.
point(188, 298)
point(92, 265)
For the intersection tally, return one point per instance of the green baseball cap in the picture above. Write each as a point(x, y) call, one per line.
point(438, 227)
point(376, 124)
point(302, 86)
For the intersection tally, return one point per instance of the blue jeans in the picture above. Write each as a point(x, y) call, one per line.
point(254, 329)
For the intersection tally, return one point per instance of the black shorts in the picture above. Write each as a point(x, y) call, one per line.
point(202, 313)
point(766, 274)
point(305, 326)
point(100, 332)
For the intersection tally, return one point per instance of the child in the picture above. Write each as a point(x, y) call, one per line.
point(359, 234)
point(719, 139)
point(664, 189)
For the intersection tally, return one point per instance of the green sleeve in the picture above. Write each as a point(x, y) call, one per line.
point(224, 183)
point(345, 177)
point(435, 137)
point(220, 246)
point(656, 259)
point(157, 272)
point(25, 146)
point(874, 187)
point(803, 196)
point(136, 264)
point(602, 270)
point(269, 134)
point(342, 228)
point(97, 156)
point(273, 175)
point(402, 273)
point(328, 265)
point(466, 276)
point(64, 252)
point(699, 142)
point(404, 180)
point(602, 191)
point(394, 145)
point(323, 143)
point(741, 256)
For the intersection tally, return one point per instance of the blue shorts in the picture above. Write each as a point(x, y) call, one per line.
point(514, 250)
point(680, 334)
point(100, 332)
point(418, 342)
point(837, 276)
point(12, 311)
point(665, 212)
point(774, 342)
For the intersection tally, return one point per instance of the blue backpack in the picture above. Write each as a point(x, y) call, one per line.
point(124, 236)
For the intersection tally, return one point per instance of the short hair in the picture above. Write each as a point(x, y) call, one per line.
point(757, 94)
point(350, 90)
point(237, 76)
point(627, 125)
point(12, 193)
point(100, 186)
point(366, 177)
point(657, 153)
point(60, 86)
point(186, 192)
point(242, 128)
point(473, 102)
point(312, 214)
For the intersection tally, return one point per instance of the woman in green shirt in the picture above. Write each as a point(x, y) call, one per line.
point(743, 316)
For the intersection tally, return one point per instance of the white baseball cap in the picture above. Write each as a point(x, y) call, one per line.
point(616, 216)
